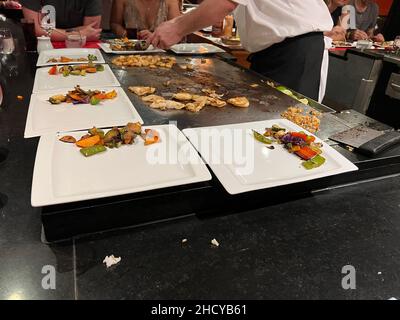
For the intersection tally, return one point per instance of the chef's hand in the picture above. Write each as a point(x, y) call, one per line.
point(359, 35)
point(166, 35)
point(144, 35)
point(379, 38)
point(339, 33)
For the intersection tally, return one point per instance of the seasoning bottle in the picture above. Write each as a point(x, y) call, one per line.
point(228, 26)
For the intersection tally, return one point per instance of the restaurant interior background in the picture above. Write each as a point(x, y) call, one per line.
point(287, 241)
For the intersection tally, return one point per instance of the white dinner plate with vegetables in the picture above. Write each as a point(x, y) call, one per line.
point(66, 76)
point(69, 56)
point(129, 159)
point(67, 109)
point(258, 155)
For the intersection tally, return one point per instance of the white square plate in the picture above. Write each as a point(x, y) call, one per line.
point(107, 49)
point(46, 82)
point(243, 164)
point(62, 174)
point(195, 48)
point(44, 118)
point(46, 55)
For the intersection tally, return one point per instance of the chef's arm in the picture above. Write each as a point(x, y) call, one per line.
point(209, 12)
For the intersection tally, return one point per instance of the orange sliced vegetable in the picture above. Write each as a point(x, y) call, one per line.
point(88, 142)
point(306, 153)
point(101, 96)
point(111, 94)
point(91, 70)
point(65, 59)
point(151, 137)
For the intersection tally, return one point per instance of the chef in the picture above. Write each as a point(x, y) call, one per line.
point(285, 37)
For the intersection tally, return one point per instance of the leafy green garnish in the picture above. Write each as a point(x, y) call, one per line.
point(92, 57)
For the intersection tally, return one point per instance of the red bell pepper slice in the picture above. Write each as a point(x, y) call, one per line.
point(306, 153)
point(53, 71)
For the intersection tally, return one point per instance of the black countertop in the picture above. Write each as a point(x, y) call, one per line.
point(288, 249)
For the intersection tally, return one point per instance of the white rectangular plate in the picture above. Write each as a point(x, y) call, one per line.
point(195, 48)
point(106, 48)
point(62, 174)
point(46, 82)
point(46, 55)
point(44, 118)
point(243, 164)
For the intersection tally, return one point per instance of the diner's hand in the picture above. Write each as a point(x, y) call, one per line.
point(166, 35)
point(144, 35)
point(359, 35)
point(91, 33)
point(12, 5)
point(378, 38)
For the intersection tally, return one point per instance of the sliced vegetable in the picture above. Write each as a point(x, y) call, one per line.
point(68, 139)
point(92, 57)
point(94, 101)
point(313, 163)
point(91, 151)
point(306, 153)
point(91, 70)
point(96, 132)
point(261, 138)
point(276, 128)
point(88, 142)
point(53, 71)
point(300, 135)
point(111, 94)
point(151, 136)
point(99, 67)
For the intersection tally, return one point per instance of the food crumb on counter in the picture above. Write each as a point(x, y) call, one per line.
point(215, 243)
point(111, 260)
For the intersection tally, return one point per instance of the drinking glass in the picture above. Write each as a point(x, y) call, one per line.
point(7, 45)
point(75, 40)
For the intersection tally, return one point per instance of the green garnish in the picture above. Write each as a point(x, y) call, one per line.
point(94, 101)
point(315, 162)
point(261, 138)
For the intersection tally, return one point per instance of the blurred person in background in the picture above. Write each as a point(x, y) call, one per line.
point(367, 12)
point(338, 33)
point(143, 15)
point(83, 16)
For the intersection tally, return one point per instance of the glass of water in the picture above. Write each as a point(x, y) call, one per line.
point(7, 45)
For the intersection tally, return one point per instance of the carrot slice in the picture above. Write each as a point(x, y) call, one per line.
point(88, 142)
